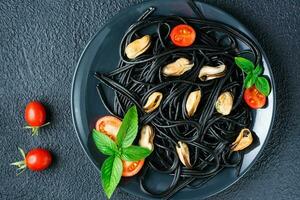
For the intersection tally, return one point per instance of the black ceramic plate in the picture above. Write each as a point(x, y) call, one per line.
point(101, 54)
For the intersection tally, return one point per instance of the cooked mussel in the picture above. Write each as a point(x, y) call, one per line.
point(183, 154)
point(138, 46)
point(147, 136)
point(208, 72)
point(178, 67)
point(192, 102)
point(224, 103)
point(243, 140)
point(153, 102)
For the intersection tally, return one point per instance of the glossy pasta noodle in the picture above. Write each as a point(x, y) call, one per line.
point(207, 133)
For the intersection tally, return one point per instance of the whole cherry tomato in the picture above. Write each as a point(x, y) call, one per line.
point(37, 159)
point(35, 116)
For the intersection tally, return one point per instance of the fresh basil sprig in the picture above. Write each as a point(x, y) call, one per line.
point(253, 75)
point(122, 149)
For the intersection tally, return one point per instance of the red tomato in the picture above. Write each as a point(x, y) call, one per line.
point(109, 125)
point(38, 159)
point(35, 114)
point(132, 168)
point(183, 35)
point(254, 98)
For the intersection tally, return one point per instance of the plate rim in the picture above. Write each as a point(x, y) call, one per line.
point(264, 56)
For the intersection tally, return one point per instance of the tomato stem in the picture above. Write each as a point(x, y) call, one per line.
point(21, 165)
point(34, 129)
point(23, 170)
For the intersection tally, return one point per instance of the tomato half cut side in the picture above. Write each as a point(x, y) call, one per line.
point(131, 168)
point(109, 125)
point(183, 35)
point(254, 98)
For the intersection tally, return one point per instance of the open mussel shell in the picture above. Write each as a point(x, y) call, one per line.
point(243, 140)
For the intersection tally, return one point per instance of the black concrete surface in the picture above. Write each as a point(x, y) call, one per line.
point(40, 43)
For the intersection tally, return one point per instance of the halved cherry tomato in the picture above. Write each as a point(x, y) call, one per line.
point(254, 98)
point(110, 125)
point(183, 35)
point(132, 168)
point(35, 114)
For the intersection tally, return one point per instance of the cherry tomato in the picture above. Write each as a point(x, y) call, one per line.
point(132, 168)
point(109, 125)
point(254, 98)
point(183, 35)
point(38, 159)
point(35, 114)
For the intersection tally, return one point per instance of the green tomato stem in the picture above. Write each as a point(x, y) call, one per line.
point(21, 165)
point(34, 129)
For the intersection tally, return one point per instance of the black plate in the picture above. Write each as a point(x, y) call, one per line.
point(101, 54)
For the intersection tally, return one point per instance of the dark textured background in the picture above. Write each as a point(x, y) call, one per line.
point(40, 43)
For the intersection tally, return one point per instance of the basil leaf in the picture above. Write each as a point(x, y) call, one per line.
point(128, 129)
point(258, 70)
point(244, 64)
point(104, 144)
point(111, 172)
point(263, 85)
point(249, 80)
point(134, 153)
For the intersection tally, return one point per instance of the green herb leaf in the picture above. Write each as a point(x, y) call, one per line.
point(244, 64)
point(135, 153)
point(128, 129)
point(263, 85)
point(249, 80)
point(258, 70)
point(111, 172)
point(104, 144)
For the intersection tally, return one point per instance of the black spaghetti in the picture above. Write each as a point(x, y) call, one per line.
point(207, 133)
